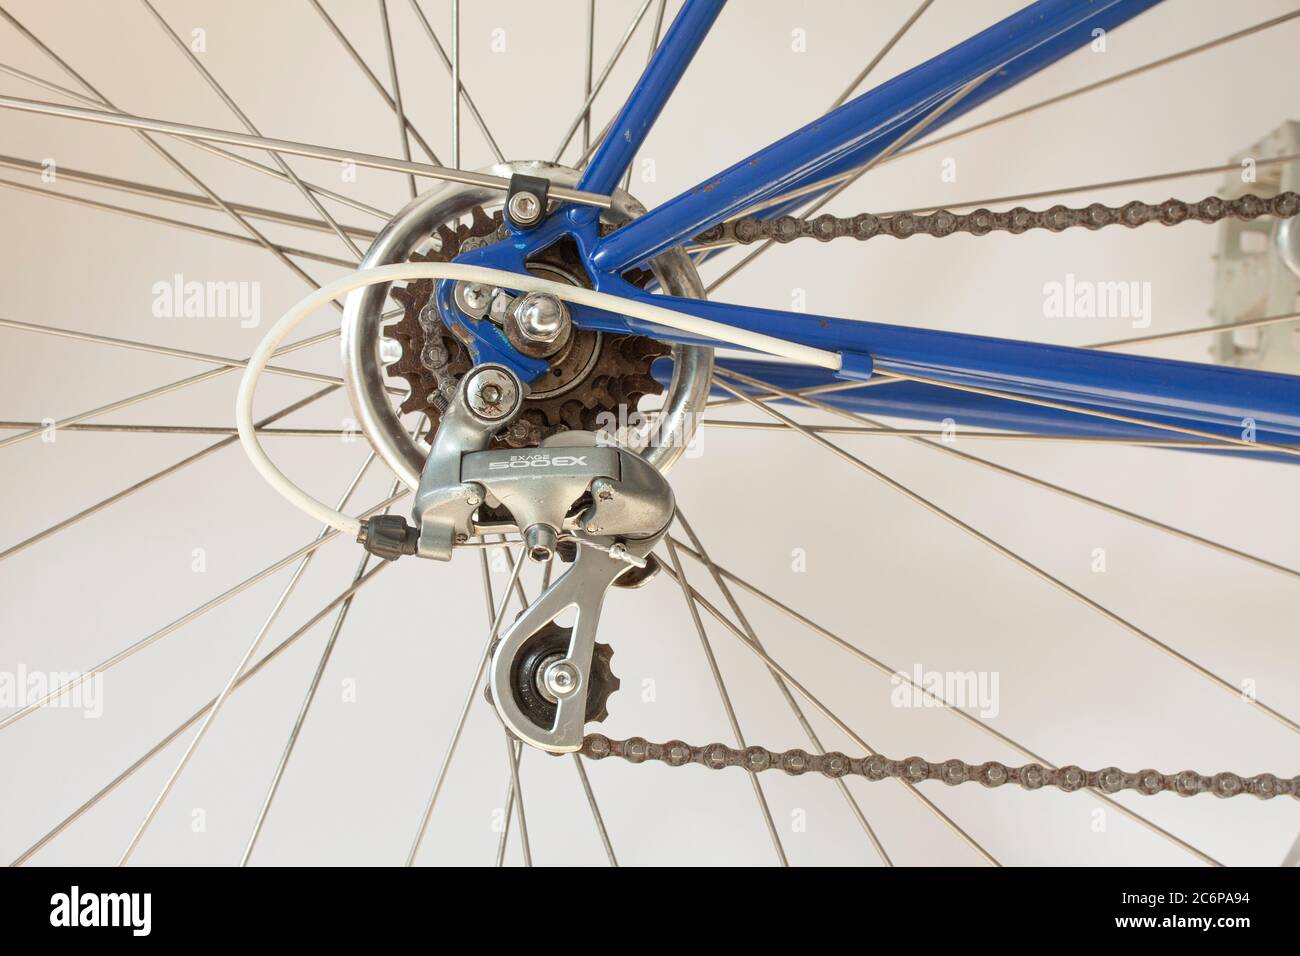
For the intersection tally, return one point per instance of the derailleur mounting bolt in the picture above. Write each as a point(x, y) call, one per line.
point(540, 541)
point(492, 393)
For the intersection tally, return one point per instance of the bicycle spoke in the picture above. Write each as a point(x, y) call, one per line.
point(185, 430)
point(120, 403)
point(714, 403)
point(512, 758)
point(1229, 442)
point(972, 719)
point(374, 81)
point(171, 469)
point(452, 71)
point(761, 798)
point(1101, 84)
point(1213, 678)
point(590, 151)
point(1097, 187)
point(326, 654)
point(470, 696)
point(276, 174)
point(186, 618)
point(795, 709)
point(214, 150)
point(1060, 98)
point(840, 101)
point(161, 151)
point(846, 179)
point(518, 585)
point(586, 87)
point(182, 198)
point(170, 387)
point(158, 148)
point(1065, 492)
point(595, 810)
point(403, 136)
point(112, 117)
point(195, 717)
point(831, 716)
point(159, 390)
point(455, 105)
point(892, 149)
point(513, 747)
point(1202, 330)
point(880, 55)
point(504, 839)
point(600, 81)
point(984, 435)
point(166, 350)
point(248, 124)
point(176, 223)
point(229, 687)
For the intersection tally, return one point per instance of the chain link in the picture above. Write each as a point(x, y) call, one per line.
point(941, 223)
point(1031, 776)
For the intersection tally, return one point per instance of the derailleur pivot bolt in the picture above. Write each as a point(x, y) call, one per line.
point(540, 540)
point(492, 393)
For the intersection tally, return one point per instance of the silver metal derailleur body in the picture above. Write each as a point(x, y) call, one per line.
point(605, 505)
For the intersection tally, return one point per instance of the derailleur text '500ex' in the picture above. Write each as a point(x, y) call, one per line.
point(608, 501)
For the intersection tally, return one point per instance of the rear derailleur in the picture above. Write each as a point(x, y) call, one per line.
point(599, 508)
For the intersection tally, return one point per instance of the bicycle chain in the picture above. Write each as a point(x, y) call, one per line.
point(980, 222)
point(913, 770)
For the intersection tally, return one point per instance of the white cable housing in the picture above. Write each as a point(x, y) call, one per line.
point(408, 271)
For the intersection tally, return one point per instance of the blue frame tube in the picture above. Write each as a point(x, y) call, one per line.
point(927, 403)
point(1193, 394)
point(847, 137)
point(633, 123)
